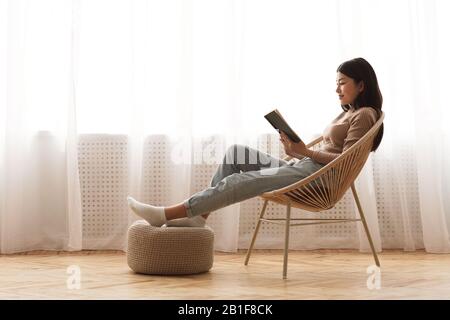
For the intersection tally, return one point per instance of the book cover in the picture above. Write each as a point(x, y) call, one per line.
point(277, 121)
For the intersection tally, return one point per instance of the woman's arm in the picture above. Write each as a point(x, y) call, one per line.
point(299, 150)
point(360, 124)
point(321, 156)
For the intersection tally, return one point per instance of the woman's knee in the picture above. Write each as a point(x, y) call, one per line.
point(234, 152)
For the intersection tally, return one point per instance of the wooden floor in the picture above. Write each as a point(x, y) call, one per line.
point(316, 274)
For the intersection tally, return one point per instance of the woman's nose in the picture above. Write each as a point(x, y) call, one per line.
point(338, 89)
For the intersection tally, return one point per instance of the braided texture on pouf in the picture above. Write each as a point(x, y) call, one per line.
point(169, 250)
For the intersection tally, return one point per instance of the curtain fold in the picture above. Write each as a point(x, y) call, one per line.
point(41, 196)
point(427, 110)
point(73, 190)
point(100, 99)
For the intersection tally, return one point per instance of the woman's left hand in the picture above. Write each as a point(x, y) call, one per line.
point(293, 149)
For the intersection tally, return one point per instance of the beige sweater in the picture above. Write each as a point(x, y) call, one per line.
point(343, 132)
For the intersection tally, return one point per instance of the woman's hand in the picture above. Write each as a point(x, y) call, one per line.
point(293, 149)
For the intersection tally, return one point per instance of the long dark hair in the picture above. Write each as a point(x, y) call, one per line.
point(360, 70)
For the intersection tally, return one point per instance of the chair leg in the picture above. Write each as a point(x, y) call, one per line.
point(366, 228)
point(255, 233)
point(286, 239)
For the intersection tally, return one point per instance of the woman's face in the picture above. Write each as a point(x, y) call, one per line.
point(347, 89)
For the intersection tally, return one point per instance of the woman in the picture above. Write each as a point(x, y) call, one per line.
point(361, 101)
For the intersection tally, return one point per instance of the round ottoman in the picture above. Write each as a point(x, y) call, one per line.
point(169, 250)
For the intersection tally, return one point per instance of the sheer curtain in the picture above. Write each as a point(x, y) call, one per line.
point(190, 74)
point(40, 193)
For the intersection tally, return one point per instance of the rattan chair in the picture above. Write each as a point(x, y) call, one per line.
point(322, 190)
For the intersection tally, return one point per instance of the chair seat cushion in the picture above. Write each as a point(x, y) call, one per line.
point(169, 250)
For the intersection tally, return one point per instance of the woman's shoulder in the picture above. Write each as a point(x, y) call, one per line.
point(366, 112)
point(367, 115)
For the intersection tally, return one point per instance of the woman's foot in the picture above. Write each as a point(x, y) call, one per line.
point(154, 215)
point(197, 221)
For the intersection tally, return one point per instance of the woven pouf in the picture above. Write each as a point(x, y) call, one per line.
point(169, 250)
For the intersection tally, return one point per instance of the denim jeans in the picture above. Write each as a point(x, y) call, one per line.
point(246, 173)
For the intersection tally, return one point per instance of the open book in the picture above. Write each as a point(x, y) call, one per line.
point(277, 121)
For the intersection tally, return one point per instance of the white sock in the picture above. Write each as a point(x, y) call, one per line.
point(154, 215)
point(197, 221)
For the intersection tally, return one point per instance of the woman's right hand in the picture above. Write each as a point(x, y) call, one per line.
point(293, 149)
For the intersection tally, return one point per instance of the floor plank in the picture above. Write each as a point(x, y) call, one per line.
point(318, 274)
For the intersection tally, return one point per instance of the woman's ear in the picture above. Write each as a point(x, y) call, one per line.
point(361, 86)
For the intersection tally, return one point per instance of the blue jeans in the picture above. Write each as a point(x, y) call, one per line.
point(246, 173)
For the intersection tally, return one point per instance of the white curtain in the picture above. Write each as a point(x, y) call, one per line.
point(183, 73)
point(40, 191)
